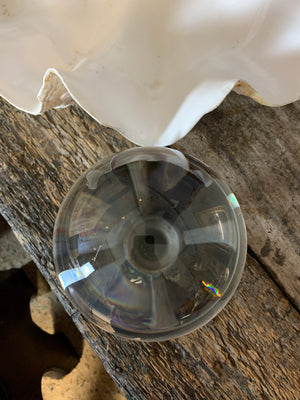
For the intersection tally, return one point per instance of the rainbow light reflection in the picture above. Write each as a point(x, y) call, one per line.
point(70, 276)
point(213, 289)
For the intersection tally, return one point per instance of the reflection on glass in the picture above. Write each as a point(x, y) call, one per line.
point(149, 244)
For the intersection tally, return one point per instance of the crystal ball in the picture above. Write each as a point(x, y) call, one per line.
point(149, 244)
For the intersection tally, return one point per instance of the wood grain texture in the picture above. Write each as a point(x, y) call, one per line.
point(252, 349)
point(256, 150)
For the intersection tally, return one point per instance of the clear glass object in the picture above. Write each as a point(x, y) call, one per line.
point(149, 244)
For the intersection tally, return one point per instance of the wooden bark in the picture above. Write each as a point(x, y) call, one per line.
point(256, 149)
point(251, 350)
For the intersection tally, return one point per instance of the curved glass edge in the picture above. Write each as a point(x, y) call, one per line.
point(218, 306)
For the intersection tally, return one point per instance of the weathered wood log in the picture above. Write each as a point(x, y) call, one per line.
point(251, 350)
point(256, 149)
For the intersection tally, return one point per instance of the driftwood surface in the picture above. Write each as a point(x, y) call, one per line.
point(251, 350)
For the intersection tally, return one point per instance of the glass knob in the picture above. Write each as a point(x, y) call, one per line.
point(149, 244)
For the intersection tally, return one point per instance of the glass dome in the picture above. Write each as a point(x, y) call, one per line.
point(149, 244)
